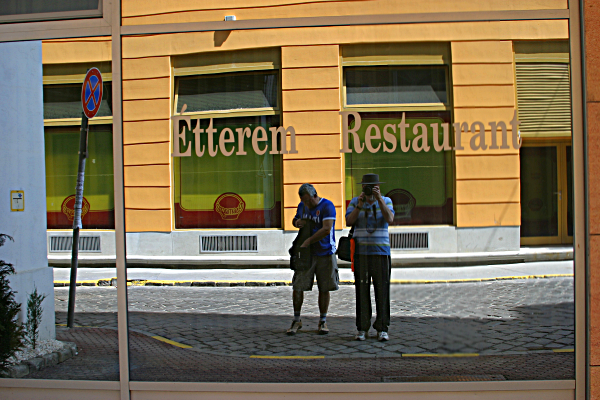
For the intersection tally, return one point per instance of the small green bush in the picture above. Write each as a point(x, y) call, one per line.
point(11, 332)
point(34, 317)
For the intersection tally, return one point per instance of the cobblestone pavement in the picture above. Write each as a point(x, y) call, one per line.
point(153, 360)
point(509, 317)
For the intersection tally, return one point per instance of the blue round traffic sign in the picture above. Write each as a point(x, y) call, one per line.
point(91, 92)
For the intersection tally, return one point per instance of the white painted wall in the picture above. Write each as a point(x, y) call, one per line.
point(22, 167)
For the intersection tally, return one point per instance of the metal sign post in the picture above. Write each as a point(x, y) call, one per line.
point(91, 97)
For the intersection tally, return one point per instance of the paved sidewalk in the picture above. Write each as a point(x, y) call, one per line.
point(152, 360)
point(479, 331)
point(283, 276)
point(496, 317)
point(491, 322)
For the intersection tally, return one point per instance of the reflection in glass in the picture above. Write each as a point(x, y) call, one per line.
point(241, 191)
point(62, 147)
point(15, 7)
point(64, 101)
point(395, 85)
point(228, 91)
point(569, 191)
point(539, 191)
point(419, 183)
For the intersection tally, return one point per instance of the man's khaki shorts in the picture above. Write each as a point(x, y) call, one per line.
point(326, 270)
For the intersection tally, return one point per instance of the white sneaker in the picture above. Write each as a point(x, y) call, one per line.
point(294, 328)
point(360, 335)
point(383, 336)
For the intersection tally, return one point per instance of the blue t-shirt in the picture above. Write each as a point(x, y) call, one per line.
point(323, 211)
point(371, 229)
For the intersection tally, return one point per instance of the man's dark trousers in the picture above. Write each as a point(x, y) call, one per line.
point(377, 268)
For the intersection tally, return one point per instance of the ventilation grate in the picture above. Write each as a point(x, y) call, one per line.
point(65, 243)
point(223, 244)
point(409, 240)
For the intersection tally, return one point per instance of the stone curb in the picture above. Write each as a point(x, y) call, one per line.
point(140, 282)
point(69, 350)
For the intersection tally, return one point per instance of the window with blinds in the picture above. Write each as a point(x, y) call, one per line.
point(544, 99)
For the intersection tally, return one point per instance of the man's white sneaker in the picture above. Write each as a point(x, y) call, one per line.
point(360, 335)
point(323, 329)
point(294, 328)
point(383, 336)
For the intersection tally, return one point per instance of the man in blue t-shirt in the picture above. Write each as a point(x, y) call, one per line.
point(320, 213)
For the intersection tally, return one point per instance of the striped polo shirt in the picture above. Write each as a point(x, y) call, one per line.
point(371, 220)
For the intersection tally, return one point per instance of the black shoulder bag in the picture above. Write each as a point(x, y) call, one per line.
point(300, 258)
point(344, 250)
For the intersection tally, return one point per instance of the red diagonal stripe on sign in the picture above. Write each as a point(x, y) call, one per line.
point(91, 97)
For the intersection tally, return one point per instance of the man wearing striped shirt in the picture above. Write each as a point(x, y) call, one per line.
point(370, 213)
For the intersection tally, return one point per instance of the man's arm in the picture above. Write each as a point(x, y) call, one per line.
point(320, 234)
point(353, 215)
point(388, 215)
point(298, 222)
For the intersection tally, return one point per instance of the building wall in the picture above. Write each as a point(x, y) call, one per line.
point(487, 195)
point(139, 12)
point(22, 164)
point(487, 184)
point(592, 55)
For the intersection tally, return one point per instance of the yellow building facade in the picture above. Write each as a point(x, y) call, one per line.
point(481, 208)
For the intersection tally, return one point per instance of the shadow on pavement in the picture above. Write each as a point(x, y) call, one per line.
point(519, 346)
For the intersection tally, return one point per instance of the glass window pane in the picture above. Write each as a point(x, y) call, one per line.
point(64, 101)
point(539, 199)
point(62, 148)
point(16, 7)
point(239, 191)
point(419, 183)
point(228, 91)
point(570, 202)
point(395, 85)
point(41, 162)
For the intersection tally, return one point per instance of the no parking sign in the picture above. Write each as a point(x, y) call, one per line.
point(91, 92)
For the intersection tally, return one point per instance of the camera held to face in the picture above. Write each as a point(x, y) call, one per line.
point(368, 190)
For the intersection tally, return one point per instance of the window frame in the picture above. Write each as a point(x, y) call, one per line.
point(51, 79)
point(415, 55)
point(62, 79)
point(270, 63)
point(410, 55)
point(52, 16)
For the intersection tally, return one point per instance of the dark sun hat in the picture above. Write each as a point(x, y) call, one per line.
point(370, 179)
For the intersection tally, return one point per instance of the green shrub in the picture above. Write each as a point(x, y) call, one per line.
point(11, 332)
point(34, 317)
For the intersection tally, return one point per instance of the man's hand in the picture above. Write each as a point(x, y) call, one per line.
point(377, 193)
point(306, 243)
point(361, 199)
point(300, 223)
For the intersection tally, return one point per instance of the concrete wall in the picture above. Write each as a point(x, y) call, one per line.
point(23, 168)
point(183, 247)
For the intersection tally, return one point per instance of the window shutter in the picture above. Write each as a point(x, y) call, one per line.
point(544, 99)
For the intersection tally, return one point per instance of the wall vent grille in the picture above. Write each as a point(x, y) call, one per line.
point(225, 244)
point(409, 240)
point(90, 244)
